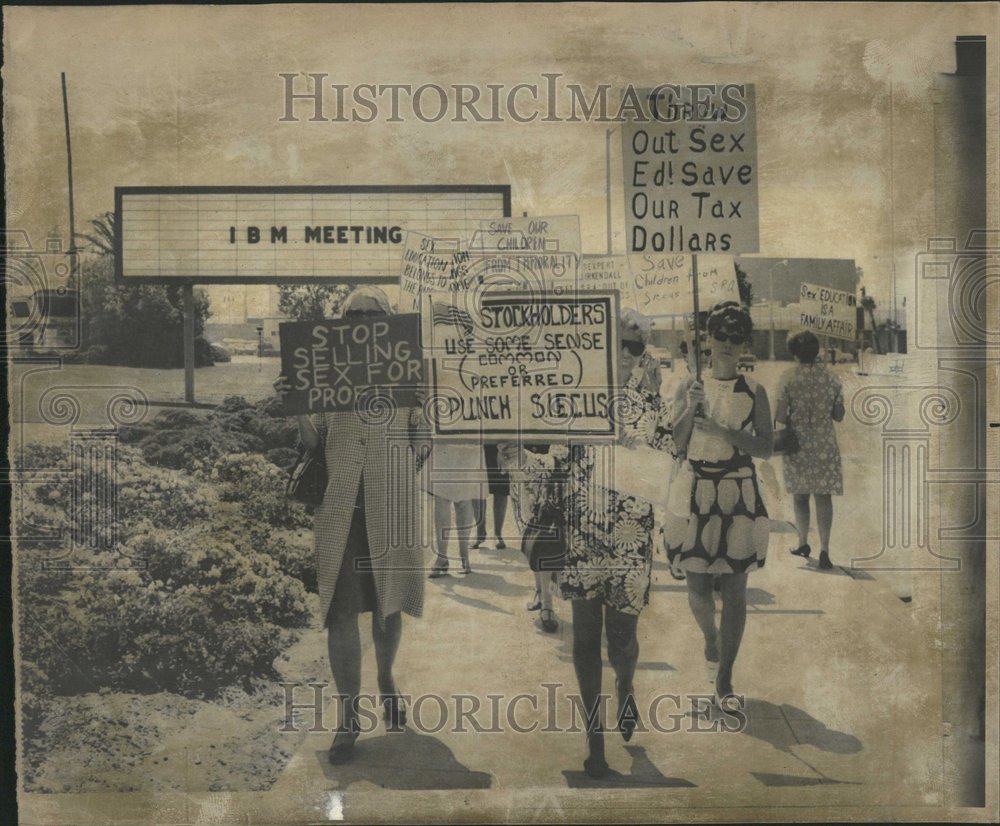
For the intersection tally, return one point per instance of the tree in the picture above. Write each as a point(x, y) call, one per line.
point(868, 305)
point(744, 286)
point(102, 239)
point(311, 302)
point(138, 326)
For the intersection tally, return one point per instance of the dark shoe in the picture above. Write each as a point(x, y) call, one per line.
point(342, 748)
point(466, 567)
point(394, 712)
point(628, 711)
point(824, 561)
point(501, 545)
point(440, 568)
point(549, 621)
point(536, 603)
point(595, 765)
point(725, 697)
point(803, 551)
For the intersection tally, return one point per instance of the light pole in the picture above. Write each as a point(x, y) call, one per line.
point(260, 349)
point(607, 182)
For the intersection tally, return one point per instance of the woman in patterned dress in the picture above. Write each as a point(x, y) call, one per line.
point(359, 569)
point(810, 400)
point(726, 534)
point(610, 544)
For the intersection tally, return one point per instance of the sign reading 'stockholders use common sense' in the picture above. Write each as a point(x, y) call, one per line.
point(523, 366)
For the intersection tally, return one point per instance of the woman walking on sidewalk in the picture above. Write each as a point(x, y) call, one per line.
point(609, 546)
point(359, 570)
point(810, 400)
point(727, 531)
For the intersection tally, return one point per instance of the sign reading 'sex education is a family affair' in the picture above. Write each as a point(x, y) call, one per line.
point(690, 167)
point(352, 364)
point(523, 365)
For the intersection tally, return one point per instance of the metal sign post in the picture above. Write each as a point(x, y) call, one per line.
point(188, 293)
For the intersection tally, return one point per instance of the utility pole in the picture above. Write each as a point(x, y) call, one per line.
point(607, 182)
point(73, 267)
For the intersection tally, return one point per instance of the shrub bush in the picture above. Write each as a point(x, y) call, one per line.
point(180, 449)
point(259, 487)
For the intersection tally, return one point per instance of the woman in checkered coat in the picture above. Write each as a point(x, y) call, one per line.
point(368, 546)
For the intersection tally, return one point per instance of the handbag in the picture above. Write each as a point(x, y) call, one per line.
point(544, 541)
point(307, 478)
point(785, 441)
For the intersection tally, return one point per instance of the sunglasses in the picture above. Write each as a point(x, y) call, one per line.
point(635, 348)
point(735, 338)
point(362, 313)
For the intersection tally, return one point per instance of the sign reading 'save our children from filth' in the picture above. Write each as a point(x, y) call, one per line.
point(523, 365)
point(690, 167)
point(828, 311)
point(351, 364)
point(529, 252)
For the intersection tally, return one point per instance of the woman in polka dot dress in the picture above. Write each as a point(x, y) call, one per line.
point(726, 534)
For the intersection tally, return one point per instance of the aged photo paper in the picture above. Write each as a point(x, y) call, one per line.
point(503, 413)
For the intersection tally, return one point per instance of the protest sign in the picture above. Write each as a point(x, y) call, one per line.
point(598, 272)
point(431, 264)
point(528, 252)
point(348, 364)
point(662, 284)
point(690, 170)
point(523, 365)
point(828, 311)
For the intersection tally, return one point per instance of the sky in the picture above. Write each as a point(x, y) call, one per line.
point(176, 95)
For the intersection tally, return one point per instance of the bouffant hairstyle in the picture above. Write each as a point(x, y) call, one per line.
point(804, 346)
point(730, 317)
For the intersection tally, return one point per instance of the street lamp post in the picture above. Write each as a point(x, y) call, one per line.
point(260, 349)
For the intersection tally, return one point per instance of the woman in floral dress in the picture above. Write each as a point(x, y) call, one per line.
point(610, 544)
point(810, 400)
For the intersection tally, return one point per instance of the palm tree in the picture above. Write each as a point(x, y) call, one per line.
point(102, 238)
point(868, 305)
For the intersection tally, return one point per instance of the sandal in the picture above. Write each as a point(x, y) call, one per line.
point(549, 621)
point(342, 748)
point(595, 765)
point(440, 568)
point(536, 603)
point(628, 712)
point(394, 712)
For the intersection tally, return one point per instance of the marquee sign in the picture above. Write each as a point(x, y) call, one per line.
point(261, 235)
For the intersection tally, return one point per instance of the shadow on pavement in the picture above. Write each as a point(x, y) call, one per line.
point(785, 726)
point(642, 774)
point(404, 760)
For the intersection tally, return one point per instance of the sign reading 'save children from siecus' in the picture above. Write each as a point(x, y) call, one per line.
point(662, 283)
point(351, 364)
point(523, 365)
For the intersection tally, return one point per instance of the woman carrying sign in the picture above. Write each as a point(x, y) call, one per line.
point(721, 423)
point(610, 543)
point(372, 493)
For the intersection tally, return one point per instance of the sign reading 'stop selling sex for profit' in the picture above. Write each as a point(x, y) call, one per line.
point(690, 170)
point(368, 365)
point(528, 366)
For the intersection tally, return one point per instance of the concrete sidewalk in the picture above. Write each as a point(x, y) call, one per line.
point(842, 709)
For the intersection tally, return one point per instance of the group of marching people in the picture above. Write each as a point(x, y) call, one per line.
point(714, 427)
